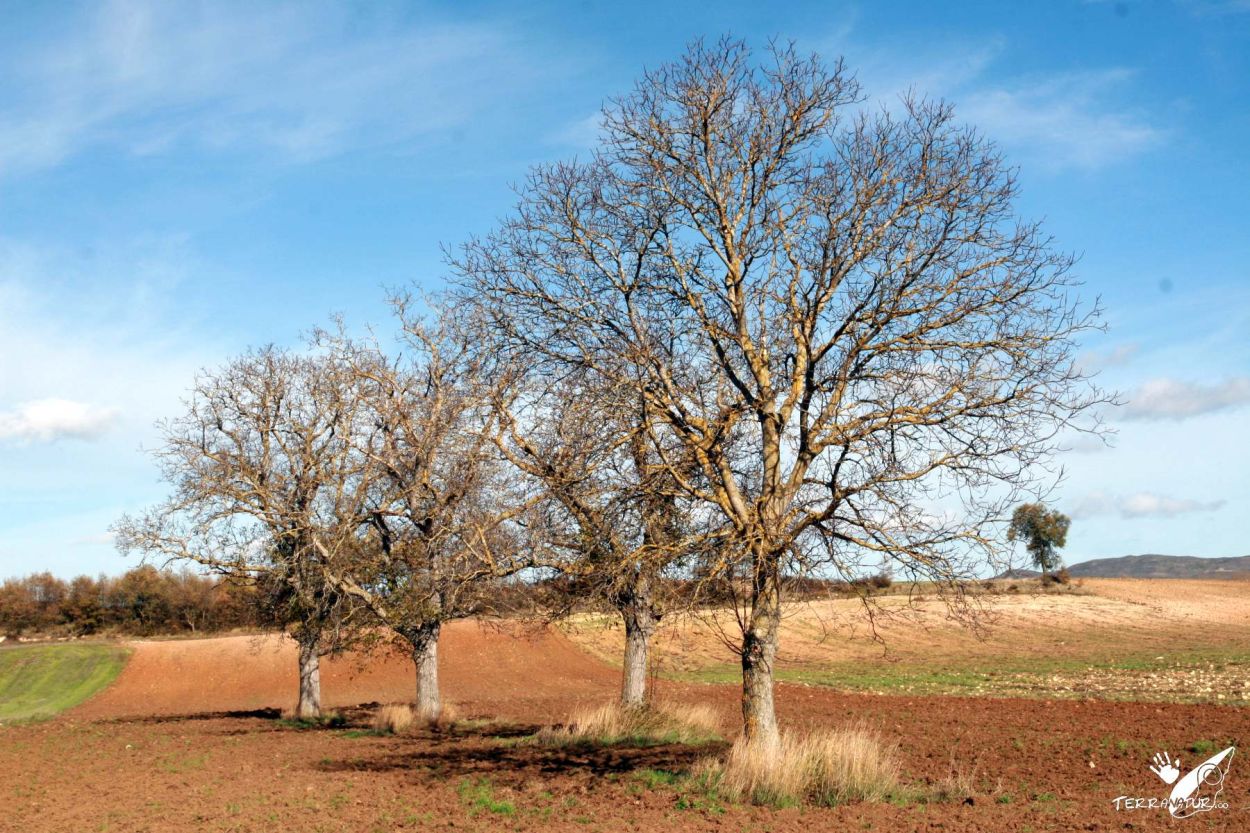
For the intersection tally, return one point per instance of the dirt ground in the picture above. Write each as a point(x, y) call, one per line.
point(480, 666)
point(1095, 619)
point(188, 738)
point(1104, 638)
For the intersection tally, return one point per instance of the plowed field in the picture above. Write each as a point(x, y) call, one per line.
point(189, 738)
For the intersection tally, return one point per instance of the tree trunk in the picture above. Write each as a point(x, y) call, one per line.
point(637, 601)
point(309, 707)
point(640, 622)
point(425, 657)
point(759, 649)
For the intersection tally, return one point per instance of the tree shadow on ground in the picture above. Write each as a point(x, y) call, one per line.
point(247, 714)
point(452, 756)
point(359, 714)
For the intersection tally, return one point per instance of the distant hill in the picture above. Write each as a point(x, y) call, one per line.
point(1150, 566)
point(1162, 566)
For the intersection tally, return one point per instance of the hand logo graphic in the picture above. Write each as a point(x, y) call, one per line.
point(1165, 768)
point(1196, 791)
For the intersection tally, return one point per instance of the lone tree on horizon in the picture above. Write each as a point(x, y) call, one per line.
point(1043, 531)
point(835, 319)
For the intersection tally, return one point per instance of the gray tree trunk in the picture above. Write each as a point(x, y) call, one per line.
point(425, 657)
point(309, 707)
point(640, 623)
point(759, 650)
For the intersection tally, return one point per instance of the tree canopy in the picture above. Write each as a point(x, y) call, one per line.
point(1043, 532)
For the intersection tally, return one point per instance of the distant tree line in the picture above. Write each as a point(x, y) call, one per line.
point(144, 601)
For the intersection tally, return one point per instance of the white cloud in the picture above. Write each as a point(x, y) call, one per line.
point(1140, 505)
point(147, 77)
point(1175, 399)
point(1146, 505)
point(47, 420)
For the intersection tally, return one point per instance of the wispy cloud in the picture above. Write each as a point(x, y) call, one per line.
point(1067, 120)
point(1093, 361)
point(1174, 399)
point(147, 77)
point(581, 134)
point(1073, 119)
point(1140, 505)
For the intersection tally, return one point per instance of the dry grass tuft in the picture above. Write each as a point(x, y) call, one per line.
point(327, 720)
point(965, 785)
point(447, 715)
point(830, 767)
point(394, 717)
point(400, 717)
point(613, 723)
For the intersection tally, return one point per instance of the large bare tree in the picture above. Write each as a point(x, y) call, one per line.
point(607, 515)
point(267, 487)
point(834, 312)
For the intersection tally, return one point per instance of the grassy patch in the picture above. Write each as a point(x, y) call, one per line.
point(653, 779)
point(39, 681)
point(1192, 676)
point(1206, 747)
point(478, 795)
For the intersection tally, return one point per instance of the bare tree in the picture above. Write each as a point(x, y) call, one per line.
point(833, 312)
point(609, 517)
point(442, 528)
point(267, 488)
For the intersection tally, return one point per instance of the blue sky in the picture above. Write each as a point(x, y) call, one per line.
point(180, 181)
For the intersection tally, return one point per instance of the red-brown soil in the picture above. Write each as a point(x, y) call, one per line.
point(160, 751)
point(527, 669)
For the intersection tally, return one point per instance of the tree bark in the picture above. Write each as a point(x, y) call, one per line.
point(424, 642)
point(309, 707)
point(640, 623)
point(759, 649)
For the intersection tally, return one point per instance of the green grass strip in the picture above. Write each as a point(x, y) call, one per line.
point(40, 681)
